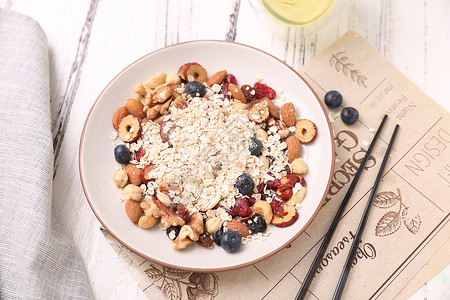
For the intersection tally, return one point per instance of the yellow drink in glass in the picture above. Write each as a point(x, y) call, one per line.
point(298, 12)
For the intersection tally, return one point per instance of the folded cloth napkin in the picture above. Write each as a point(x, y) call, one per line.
point(38, 259)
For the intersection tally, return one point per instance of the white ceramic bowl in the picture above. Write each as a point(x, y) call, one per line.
point(97, 163)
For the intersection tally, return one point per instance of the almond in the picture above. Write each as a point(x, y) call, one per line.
point(217, 78)
point(135, 108)
point(133, 210)
point(121, 113)
point(238, 226)
point(293, 148)
point(288, 114)
point(236, 93)
point(134, 174)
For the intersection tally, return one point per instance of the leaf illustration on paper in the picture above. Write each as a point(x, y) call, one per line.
point(341, 62)
point(413, 224)
point(388, 224)
point(405, 212)
point(385, 199)
point(175, 274)
point(171, 290)
point(154, 273)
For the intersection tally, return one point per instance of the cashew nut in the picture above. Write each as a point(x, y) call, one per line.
point(297, 197)
point(147, 221)
point(263, 209)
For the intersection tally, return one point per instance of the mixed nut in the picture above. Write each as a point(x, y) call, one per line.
point(212, 162)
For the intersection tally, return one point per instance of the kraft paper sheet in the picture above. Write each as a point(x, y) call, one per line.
point(407, 225)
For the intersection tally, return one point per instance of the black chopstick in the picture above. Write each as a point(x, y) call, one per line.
point(362, 224)
point(327, 238)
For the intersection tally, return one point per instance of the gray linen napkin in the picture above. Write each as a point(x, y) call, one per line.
point(38, 259)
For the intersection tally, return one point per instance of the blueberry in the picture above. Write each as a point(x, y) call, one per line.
point(333, 99)
point(122, 154)
point(349, 115)
point(245, 184)
point(195, 89)
point(230, 241)
point(217, 235)
point(257, 224)
point(172, 232)
point(255, 146)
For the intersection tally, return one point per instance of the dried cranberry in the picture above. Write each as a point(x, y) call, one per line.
point(205, 240)
point(262, 90)
point(261, 187)
point(229, 79)
point(249, 92)
point(241, 207)
point(139, 154)
point(250, 200)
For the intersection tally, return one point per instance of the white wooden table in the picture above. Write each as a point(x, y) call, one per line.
point(92, 40)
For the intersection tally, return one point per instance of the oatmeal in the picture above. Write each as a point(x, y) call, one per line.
point(209, 160)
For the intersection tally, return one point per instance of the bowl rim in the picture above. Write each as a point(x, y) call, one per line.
point(207, 270)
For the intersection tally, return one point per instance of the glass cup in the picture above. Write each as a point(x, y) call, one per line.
point(309, 15)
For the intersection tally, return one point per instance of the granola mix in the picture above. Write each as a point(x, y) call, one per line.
point(210, 162)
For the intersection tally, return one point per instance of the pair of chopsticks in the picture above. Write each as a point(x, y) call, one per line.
point(323, 247)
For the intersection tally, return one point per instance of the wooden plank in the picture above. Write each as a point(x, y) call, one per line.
point(67, 25)
point(138, 28)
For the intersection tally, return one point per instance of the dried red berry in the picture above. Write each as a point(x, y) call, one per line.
point(145, 177)
point(229, 79)
point(205, 240)
point(183, 212)
point(273, 184)
point(139, 154)
point(277, 206)
point(181, 105)
point(241, 207)
point(250, 200)
point(249, 92)
point(262, 90)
